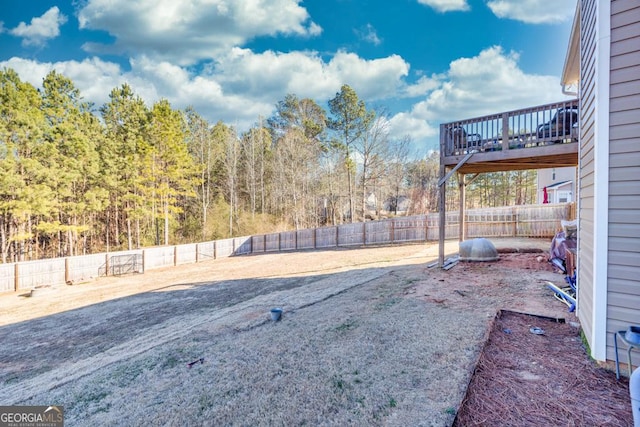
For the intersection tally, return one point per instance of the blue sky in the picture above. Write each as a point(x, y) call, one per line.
point(423, 61)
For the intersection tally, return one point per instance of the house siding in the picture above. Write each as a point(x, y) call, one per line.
point(623, 276)
point(586, 167)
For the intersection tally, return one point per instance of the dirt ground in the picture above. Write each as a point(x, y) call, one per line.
point(369, 336)
point(526, 379)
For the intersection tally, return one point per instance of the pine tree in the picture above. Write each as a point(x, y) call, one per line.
point(25, 193)
point(124, 155)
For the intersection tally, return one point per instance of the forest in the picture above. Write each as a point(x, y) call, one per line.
point(76, 178)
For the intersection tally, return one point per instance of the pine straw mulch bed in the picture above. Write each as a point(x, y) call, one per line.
point(525, 379)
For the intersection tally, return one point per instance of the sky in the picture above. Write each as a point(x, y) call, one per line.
point(419, 62)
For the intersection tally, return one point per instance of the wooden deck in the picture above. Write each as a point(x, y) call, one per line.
point(546, 136)
point(540, 137)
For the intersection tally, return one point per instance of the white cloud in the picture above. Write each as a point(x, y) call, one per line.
point(371, 79)
point(369, 35)
point(237, 89)
point(408, 124)
point(534, 11)
point(488, 83)
point(41, 28)
point(190, 30)
point(423, 86)
point(271, 75)
point(446, 5)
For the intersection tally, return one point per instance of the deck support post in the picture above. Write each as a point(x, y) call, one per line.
point(462, 223)
point(442, 218)
point(441, 197)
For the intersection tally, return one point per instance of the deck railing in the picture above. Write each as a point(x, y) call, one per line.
point(529, 127)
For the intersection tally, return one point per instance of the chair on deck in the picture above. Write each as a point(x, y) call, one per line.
point(563, 124)
point(460, 142)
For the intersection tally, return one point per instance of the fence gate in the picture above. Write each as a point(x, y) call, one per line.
point(122, 264)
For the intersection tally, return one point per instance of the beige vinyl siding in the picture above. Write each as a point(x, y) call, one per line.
point(623, 276)
point(586, 165)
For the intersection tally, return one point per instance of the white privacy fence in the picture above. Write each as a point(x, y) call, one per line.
point(516, 221)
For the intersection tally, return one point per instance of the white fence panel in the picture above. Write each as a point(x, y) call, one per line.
point(272, 242)
point(287, 240)
point(351, 234)
point(44, 272)
point(185, 254)
point(378, 231)
point(409, 229)
point(224, 248)
point(258, 243)
point(7, 278)
point(206, 251)
point(158, 257)
point(306, 239)
point(85, 267)
point(326, 237)
point(242, 245)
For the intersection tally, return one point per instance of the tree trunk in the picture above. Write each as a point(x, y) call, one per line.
point(129, 237)
point(350, 196)
point(166, 222)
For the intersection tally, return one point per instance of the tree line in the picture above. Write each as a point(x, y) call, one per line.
point(76, 178)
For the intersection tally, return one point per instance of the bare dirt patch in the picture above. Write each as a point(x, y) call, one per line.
point(369, 336)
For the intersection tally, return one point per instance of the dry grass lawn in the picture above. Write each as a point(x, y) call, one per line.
point(369, 336)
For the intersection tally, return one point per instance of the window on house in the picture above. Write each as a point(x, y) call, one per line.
point(564, 196)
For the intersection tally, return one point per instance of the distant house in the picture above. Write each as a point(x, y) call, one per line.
point(603, 67)
point(399, 205)
point(557, 183)
point(390, 206)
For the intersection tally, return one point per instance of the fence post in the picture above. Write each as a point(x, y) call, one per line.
point(337, 236)
point(144, 260)
point(264, 243)
point(215, 249)
point(16, 277)
point(426, 228)
point(393, 230)
point(66, 271)
point(196, 253)
point(295, 239)
point(515, 222)
point(106, 264)
point(315, 231)
point(364, 232)
point(175, 256)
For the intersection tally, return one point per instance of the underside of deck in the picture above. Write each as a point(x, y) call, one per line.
point(548, 156)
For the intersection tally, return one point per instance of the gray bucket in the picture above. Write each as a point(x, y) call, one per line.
point(276, 314)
